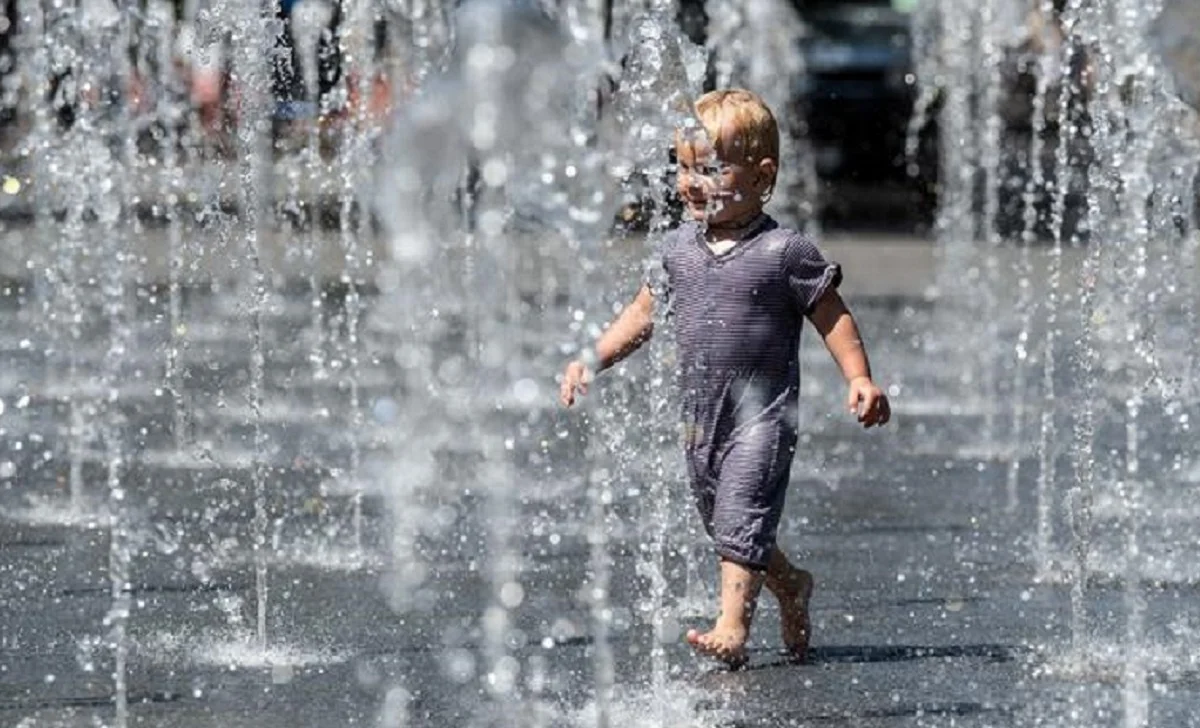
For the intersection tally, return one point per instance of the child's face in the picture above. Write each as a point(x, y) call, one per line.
point(714, 190)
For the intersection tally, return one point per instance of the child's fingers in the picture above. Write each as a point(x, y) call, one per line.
point(880, 412)
point(869, 414)
point(868, 406)
point(570, 384)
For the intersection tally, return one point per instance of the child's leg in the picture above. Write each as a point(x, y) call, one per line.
point(739, 594)
point(747, 503)
point(793, 588)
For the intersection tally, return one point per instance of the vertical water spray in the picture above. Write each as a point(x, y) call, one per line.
point(115, 162)
point(588, 24)
point(657, 95)
point(1068, 132)
point(174, 120)
point(60, 191)
point(1139, 93)
point(501, 115)
point(253, 38)
point(354, 156)
point(119, 556)
point(432, 36)
point(600, 496)
point(1035, 188)
point(989, 86)
point(487, 38)
point(955, 223)
point(309, 24)
point(488, 130)
point(481, 205)
point(1135, 693)
point(37, 153)
point(655, 98)
point(1191, 304)
point(1081, 495)
point(1103, 185)
point(926, 28)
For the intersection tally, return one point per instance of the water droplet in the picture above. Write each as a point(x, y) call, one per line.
point(458, 665)
point(511, 595)
point(495, 172)
point(503, 679)
point(526, 391)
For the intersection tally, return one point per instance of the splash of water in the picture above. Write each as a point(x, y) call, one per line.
point(1120, 136)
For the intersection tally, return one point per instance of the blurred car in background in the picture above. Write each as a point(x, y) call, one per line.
point(857, 99)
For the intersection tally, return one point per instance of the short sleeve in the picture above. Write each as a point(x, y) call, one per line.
point(809, 275)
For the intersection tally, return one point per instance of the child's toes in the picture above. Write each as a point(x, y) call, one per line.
point(704, 642)
point(728, 650)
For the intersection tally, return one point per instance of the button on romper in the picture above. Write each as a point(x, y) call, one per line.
point(737, 319)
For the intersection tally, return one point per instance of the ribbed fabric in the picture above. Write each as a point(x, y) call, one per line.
point(737, 319)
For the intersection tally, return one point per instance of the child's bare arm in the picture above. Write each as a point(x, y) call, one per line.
point(632, 328)
point(836, 325)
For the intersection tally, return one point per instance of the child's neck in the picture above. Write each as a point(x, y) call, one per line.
point(734, 229)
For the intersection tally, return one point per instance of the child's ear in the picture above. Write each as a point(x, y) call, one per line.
point(767, 170)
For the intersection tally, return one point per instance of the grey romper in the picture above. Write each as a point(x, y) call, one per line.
point(737, 318)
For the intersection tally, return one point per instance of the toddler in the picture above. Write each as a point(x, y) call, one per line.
point(738, 287)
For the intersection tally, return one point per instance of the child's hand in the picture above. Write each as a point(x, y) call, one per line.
point(575, 377)
point(868, 402)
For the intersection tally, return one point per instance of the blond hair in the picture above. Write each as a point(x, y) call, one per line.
point(740, 126)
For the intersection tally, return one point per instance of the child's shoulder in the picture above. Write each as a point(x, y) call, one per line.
point(786, 240)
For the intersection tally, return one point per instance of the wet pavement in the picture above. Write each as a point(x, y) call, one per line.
point(471, 599)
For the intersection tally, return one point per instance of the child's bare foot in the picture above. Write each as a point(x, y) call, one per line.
point(739, 593)
point(793, 594)
point(726, 642)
